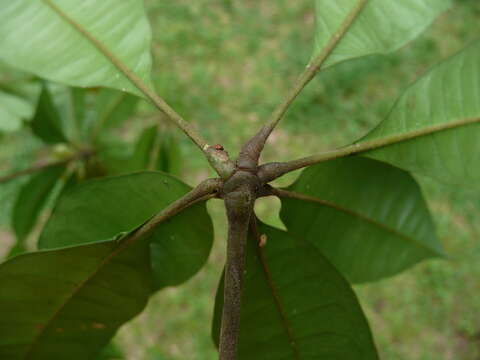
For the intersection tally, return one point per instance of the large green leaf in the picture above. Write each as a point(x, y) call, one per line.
point(68, 303)
point(440, 114)
point(367, 217)
point(102, 208)
point(295, 305)
point(30, 202)
point(92, 44)
point(47, 123)
point(381, 27)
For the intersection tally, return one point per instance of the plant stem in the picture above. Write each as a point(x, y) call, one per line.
point(271, 171)
point(45, 165)
point(239, 200)
point(309, 73)
point(156, 100)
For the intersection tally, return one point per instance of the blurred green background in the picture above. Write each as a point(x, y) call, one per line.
point(225, 64)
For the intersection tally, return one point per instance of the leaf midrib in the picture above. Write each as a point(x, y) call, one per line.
point(278, 304)
point(136, 81)
point(299, 196)
point(34, 343)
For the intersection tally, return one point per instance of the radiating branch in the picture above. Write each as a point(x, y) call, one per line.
point(258, 141)
point(151, 95)
point(271, 171)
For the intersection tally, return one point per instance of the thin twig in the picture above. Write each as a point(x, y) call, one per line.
point(45, 165)
point(271, 171)
point(257, 143)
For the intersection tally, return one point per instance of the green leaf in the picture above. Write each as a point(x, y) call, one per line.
point(95, 44)
point(153, 150)
point(382, 26)
point(170, 155)
point(436, 123)
point(114, 107)
point(144, 148)
point(102, 208)
point(295, 305)
point(30, 202)
point(68, 303)
point(46, 123)
point(13, 111)
point(111, 352)
point(368, 218)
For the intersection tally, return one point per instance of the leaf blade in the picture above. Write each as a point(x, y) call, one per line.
point(46, 123)
point(91, 211)
point(442, 108)
point(103, 47)
point(30, 202)
point(78, 302)
point(291, 297)
point(368, 218)
point(382, 27)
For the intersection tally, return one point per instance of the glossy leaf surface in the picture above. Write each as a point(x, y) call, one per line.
point(68, 303)
point(62, 36)
point(102, 208)
point(383, 25)
point(296, 305)
point(367, 217)
point(446, 97)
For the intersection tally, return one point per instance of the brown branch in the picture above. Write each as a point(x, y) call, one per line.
point(271, 171)
point(255, 145)
point(204, 191)
point(239, 200)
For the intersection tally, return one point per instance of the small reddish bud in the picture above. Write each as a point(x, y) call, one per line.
point(263, 240)
point(218, 147)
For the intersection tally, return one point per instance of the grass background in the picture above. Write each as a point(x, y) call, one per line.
point(225, 64)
